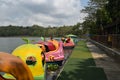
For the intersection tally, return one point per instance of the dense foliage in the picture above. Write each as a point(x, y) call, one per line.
point(37, 30)
point(101, 13)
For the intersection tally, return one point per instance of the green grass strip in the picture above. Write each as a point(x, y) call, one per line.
point(81, 66)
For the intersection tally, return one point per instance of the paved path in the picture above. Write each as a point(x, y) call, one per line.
point(111, 68)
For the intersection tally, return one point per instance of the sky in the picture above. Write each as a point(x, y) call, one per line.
point(41, 12)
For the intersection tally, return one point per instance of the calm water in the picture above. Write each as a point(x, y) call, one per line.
point(8, 44)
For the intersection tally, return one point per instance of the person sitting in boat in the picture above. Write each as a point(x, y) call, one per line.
point(68, 40)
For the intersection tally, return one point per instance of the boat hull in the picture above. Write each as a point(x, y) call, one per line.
point(56, 55)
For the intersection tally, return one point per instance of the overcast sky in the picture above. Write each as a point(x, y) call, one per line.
point(41, 12)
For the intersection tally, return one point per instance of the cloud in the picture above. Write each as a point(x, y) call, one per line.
point(41, 12)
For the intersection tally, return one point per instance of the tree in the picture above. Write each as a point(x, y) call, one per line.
point(97, 16)
point(113, 7)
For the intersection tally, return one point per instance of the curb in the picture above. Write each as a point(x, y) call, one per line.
point(111, 52)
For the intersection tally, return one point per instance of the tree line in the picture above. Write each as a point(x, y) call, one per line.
point(37, 30)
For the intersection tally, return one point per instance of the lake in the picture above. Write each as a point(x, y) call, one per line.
point(8, 44)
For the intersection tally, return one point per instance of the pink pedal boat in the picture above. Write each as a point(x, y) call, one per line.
point(55, 53)
point(69, 44)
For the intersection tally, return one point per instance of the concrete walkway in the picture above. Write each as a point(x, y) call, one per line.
point(111, 68)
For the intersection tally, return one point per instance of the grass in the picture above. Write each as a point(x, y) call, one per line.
point(81, 66)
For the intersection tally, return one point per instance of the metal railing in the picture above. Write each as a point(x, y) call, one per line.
point(111, 40)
